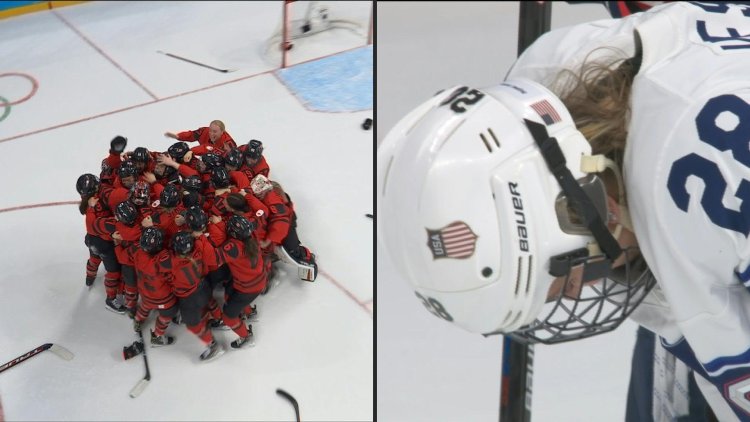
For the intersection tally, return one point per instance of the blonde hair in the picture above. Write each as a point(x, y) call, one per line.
point(218, 123)
point(597, 95)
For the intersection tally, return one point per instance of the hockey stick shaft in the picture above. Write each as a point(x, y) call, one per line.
point(291, 399)
point(518, 358)
point(143, 383)
point(58, 350)
point(193, 62)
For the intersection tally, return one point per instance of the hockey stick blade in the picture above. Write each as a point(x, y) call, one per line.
point(174, 56)
point(291, 399)
point(138, 389)
point(61, 352)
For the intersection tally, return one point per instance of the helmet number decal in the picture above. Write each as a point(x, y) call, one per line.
point(435, 307)
point(460, 98)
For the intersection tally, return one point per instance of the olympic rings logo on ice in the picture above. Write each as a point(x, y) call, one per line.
point(8, 104)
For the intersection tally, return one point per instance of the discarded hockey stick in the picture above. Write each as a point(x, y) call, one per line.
point(196, 63)
point(143, 383)
point(54, 348)
point(291, 399)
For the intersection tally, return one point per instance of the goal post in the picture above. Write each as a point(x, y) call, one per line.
point(311, 29)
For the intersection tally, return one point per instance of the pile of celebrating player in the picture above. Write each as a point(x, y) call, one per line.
point(172, 227)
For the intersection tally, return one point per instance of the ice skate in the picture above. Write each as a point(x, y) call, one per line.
point(162, 340)
point(218, 324)
point(213, 351)
point(115, 306)
point(244, 342)
point(252, 317)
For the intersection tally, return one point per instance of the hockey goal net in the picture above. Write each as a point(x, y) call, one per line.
point(313, 29)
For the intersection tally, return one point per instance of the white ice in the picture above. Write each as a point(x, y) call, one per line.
point(99, 75)
point(427, 369)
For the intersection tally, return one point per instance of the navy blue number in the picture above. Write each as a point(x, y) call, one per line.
point(737, 141)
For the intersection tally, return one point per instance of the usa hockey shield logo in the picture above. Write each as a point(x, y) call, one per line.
point(456, 240)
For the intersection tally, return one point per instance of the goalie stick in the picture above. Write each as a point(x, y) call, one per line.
point(518, 358)
point(54, 348)
point(143, 383)
point(291, 399)
point(174, 56)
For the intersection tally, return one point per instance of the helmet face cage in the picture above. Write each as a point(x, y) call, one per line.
point(140, 192)
point(581, 305)
point(260, 185)
point(127, 169)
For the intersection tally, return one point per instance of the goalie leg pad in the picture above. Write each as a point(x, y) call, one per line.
point(305, 271)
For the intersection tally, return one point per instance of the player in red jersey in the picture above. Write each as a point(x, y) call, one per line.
point(240, 252)
point(153, 266)
point(191, 260)
point(233, 161)
point(282, 229)
point(126, 237)
point(255, 162)
point(165, 210)
point(213, 138)
point(99, 225)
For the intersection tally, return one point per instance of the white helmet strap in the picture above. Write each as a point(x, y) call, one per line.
point(577, 198)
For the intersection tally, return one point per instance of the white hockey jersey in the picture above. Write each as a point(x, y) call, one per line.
point(687, 176)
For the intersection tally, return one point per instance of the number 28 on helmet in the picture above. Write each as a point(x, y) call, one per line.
point(487, 197)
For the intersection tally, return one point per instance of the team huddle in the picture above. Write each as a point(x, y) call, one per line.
point(172, 227)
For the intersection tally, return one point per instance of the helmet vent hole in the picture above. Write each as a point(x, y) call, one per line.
point(518, 274)
point(486, 271)
point(490, 140)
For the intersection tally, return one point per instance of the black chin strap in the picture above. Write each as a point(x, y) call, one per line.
point(555, 160)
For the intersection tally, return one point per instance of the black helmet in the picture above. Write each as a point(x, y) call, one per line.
point(193, 198)
point(212, 160)
point(140, 155)
point(127, 168)
point(126, 212)
point(192, 183)
point(170, 196)
point(220, 177)
point(239, 227)
point(107, 171)
point(233, 158)
point(152, 239)
point(183, 243)
point(254, 149)
point(178, 150)
point(87, 184)
point(196, 218)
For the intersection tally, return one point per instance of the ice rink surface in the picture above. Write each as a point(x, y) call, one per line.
point(73, 78)
point(427, 369)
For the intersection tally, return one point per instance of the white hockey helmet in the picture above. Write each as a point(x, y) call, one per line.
point(260, 185)
point(471, 214)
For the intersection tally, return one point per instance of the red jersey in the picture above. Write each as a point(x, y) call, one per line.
point(261, 167)
point(154, 276)
point(249, 275)
point(279, 217)
point(131, 235)
point(200, 135)
point(188, 272)
point(164, 219)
